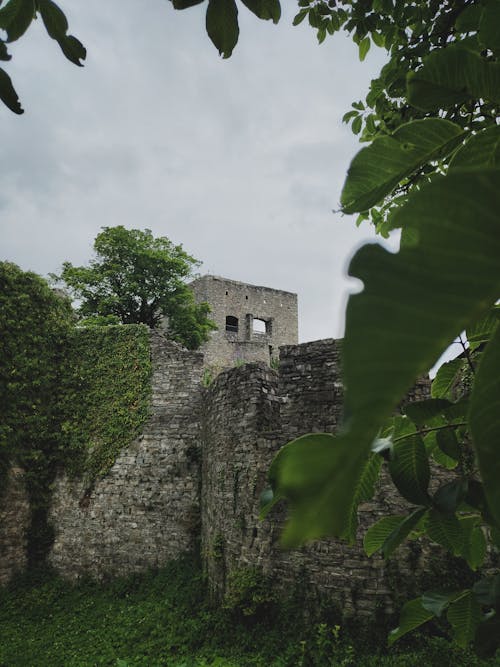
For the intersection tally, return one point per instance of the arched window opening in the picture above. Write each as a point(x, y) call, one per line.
point(232, 324)
point(259, 326)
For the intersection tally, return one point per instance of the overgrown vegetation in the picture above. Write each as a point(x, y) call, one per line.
point(165, 618)
point(70, 397)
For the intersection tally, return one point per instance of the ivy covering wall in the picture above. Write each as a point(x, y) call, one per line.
point(105, 395)
point(70, 398)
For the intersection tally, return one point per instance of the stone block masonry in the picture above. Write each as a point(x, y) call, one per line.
point(239, 445)
point(197, 471)
point(253, 322)
point(14, 523)
point(145, 512)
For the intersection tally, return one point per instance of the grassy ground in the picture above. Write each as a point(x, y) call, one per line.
point(164, 619)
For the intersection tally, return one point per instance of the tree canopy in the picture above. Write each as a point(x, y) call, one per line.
point(136, 278)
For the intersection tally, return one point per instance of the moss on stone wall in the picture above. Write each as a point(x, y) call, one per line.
point(105, 395)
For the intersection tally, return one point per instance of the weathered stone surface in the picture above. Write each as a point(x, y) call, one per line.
point(145, 512)
point(14, 522)
point(199, 468)
point(276, 311)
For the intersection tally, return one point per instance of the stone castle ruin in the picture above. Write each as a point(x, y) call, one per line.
point(252, 322)
point(193, 478)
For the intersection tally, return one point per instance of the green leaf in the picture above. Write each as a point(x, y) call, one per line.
point(8, 94)
point(448, 443)
point(449, 496)
point(464, 615)
point(445, 378)
point(222, 25)
point(414, 303)
point(468, 19)
point(489, 34)
point(437, 601)
point(184, 4)
point(482, 330)
point(452, 76)
point(364, 47)
point(73, 49)
point(421, 412)
point(445, 530)
point(364, 491)
point(409, 469)
point(316, 472)
point(377, 534)
point(265, 9)
point(487, 591)
point(474, 548)
point(356, 124)
point(484, 422)
point(401, 532)
point(481, 150)
point(412, 616)
point(377, 169)
point(16, 17)
point(53, 18)
point(300, 16)
point(4, 54)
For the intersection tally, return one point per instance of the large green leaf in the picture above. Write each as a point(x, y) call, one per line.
point(222, 25)
point(401, 532)
point(422, 411)
point(365, 488)
point(8, 94)
point(412, 616)
point(53, 18)
point(414, 303)
point(452, 76)
point(484, 421)
point(377, 169)
point(489, 34)
point(445, 378)
point(474, 547)
point(409, 468)
point(437, 601)
point(377, 533)
point(445, 529)
point(15, 18)
point(481, 150)
point(265, 9)
point(464, 614)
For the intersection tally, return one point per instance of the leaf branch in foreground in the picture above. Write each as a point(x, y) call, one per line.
point(484, 419)
point(413, 305)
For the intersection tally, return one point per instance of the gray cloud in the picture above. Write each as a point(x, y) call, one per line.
point(242, 160)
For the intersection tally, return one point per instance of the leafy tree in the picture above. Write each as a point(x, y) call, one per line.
point(136, 278)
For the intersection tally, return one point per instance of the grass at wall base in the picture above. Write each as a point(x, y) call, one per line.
point(165, 618)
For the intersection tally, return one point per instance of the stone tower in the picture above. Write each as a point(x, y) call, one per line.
point(252, 321)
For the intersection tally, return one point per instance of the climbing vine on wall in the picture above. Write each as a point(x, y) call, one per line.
point(70, 398)
point(106, 395)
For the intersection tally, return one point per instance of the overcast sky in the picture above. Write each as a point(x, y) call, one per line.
point(240, 160)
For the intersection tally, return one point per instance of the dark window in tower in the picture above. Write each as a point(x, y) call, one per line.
point(232, 323)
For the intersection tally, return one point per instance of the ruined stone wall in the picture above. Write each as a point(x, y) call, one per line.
point(14, 522)
point(278, 309)
point(145, 512)
point(239, 445)
point(199, 468)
